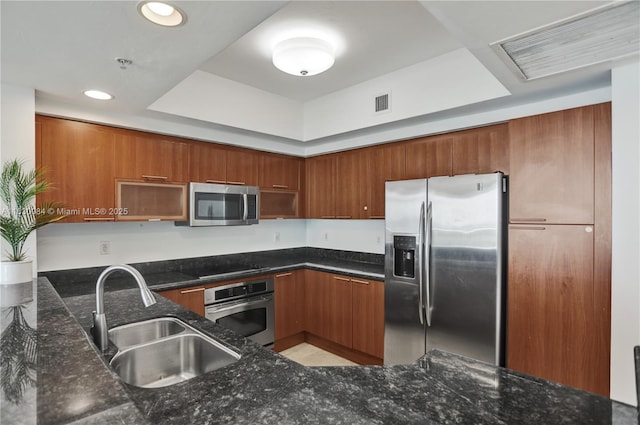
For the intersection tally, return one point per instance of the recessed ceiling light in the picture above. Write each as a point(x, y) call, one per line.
point(162, 13)
point(97, 94)
point(303, 56)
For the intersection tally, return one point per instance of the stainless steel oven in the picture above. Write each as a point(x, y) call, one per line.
point(244, 307)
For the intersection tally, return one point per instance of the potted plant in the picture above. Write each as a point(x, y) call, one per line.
point(19, 217)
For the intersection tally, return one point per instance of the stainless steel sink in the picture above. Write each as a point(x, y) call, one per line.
point(149, 330)
point(169, 351)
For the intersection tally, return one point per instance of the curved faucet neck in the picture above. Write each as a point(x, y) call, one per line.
point(147, 297)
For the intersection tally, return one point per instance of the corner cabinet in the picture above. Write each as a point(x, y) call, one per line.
point(345, 315)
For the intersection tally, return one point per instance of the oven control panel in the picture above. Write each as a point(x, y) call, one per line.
point(238, 290)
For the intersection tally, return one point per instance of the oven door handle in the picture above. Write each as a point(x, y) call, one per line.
point(248, 302)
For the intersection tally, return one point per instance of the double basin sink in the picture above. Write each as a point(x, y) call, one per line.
point(165, 351)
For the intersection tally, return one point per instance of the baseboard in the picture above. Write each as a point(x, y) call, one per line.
point(342, 351)
point(288, 342)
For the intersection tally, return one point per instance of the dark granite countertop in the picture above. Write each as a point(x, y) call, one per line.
point(75, 385)
point(173, 274)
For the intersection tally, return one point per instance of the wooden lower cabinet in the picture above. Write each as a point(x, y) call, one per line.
point(328, 307)
point(368, 316)
point(289, 309)
point(345, 315)
point(191, 298)
point(553, 321)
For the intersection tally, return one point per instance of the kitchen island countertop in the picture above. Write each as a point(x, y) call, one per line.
point(74, 383)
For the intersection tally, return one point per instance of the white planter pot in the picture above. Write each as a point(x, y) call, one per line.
point(12, 272)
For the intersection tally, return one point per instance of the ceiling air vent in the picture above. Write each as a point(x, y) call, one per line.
point(382, 103)
point(600, 35)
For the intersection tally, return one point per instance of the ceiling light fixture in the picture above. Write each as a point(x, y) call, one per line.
point(604, 34)
point(162, 13)
point(97, 94)
point(303, 56)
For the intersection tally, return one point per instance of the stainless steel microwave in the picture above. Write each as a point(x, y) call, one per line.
point(222, 205)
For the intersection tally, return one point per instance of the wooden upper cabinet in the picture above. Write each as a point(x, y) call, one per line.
point(387, 164)
point(144, 156)
point(280, 172)
point(321, 186)
point(552, 167)
point(481, 150)
point(207, 163)
point(553, 325)
point(429, 157)
point(352, 182)
point(242, 167)
point(78, 159)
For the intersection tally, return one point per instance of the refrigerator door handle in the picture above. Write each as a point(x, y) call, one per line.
point(420, 244)
point(427, 261)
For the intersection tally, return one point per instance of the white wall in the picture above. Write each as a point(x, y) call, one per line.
point(625, 295)
point(348, 235)
point(17, 139)
point(76, 245)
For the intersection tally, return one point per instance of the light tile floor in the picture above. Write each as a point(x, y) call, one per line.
point(309, 355)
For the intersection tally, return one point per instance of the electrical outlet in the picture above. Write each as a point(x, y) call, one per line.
point(105, 247)
point(277, 236)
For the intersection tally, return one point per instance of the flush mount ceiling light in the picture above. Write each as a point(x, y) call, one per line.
point(161, 13)
point(604, 34)
point(303, 56)
point(97, 94)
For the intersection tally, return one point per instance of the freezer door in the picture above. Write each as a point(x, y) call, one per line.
point(466, 266)
point(404, 336)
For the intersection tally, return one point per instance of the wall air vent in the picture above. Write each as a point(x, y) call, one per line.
point(382, 103)
point(604, 34)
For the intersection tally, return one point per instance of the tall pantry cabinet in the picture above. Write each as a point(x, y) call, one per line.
point(558, 309)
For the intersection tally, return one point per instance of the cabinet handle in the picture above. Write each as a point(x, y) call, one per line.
point(230, 182)
point(188, 291)
point(163, 178)
point(328, 216)
point(364, 282)
point(99, 219)
point(342, 278)
point(343, 216)
point(529, 220)
point(527, 228)
point(284, 274)
point(376, 216)
point(215, 181)
point(280, 186)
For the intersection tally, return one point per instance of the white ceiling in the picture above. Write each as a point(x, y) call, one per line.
point(63, 48)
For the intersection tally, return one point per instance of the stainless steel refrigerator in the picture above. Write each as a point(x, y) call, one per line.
point(445, 247)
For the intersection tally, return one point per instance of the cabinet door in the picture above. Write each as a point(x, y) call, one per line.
point(429, 157)
point(289, 304)
point(242, 167)
point(190, 298)
point(368, 316)
point(328, 310)
point(321, 186)
point(387, 164)
point(78, 159)
point(280, 172)
point(481, 150)
point(352, 181)
point(552, 167)
point(552, 325)
point(149, 157)
point(207, 163)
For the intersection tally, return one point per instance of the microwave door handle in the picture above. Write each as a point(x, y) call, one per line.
point(245, 206)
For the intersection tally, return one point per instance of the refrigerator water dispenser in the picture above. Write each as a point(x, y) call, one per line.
point(404, 255)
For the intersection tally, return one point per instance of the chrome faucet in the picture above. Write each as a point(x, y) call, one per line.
point(99, 328)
